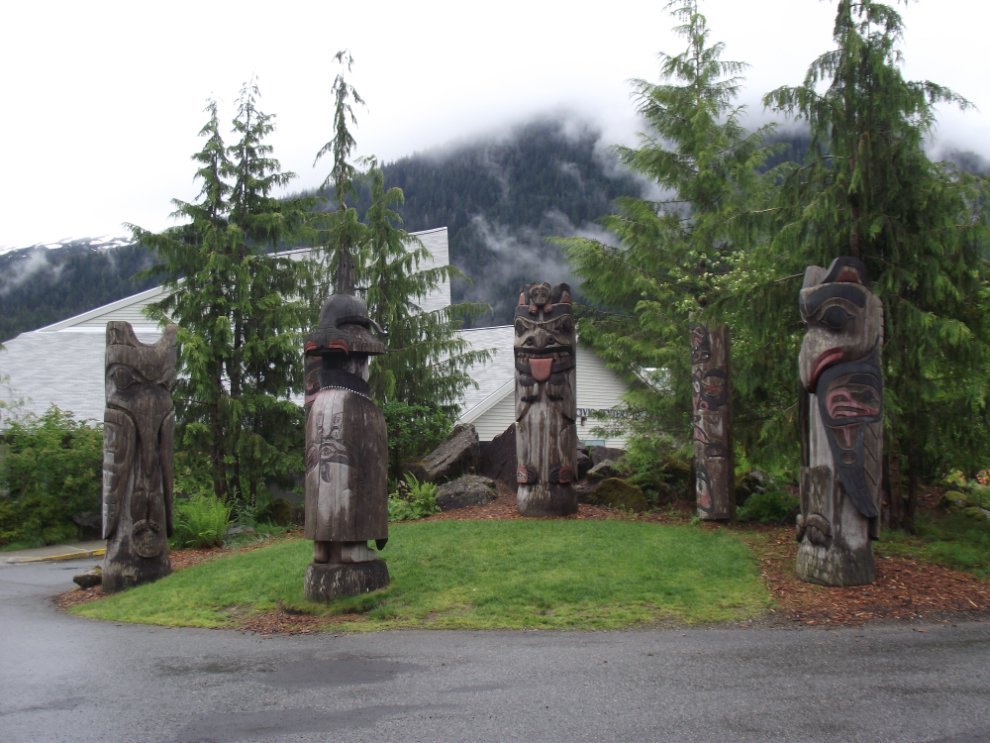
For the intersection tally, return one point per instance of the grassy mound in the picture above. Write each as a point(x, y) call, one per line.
point(480, 575)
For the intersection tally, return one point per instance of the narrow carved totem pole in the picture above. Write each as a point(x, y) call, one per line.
point(711, 385)
point(546, 403)
point(841, 425)
point(346, 454)
point(138, 438)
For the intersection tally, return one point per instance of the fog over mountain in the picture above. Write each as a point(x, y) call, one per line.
point(501, 198)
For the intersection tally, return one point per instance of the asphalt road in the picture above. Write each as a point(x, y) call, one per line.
point(63, 678)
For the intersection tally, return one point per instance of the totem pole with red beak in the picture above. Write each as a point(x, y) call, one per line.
point(546, 404)
point(842, 425)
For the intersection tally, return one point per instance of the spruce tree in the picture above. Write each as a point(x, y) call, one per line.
point(239, 318)
point(867, 189)
point(426, 363)
point(672, 250)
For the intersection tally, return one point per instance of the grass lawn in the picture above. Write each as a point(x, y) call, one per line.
point(480, 575)
point(956, 541)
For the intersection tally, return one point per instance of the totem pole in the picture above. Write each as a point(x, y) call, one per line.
point(138, 437)
point(546, 405)
point(346, 454)
point(841, 425)
point(714, 467)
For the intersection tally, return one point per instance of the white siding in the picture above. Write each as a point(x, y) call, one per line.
point(598, 388)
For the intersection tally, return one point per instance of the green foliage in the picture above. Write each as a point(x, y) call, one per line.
point(412, 500)
point(200, 521)
point(771, 507)
point(672, 251)
point(413, 430)
point(241, 313)
point(51, 469)
point(866, 188)
point(480, 575)
point(957, 541)
point(426, 363)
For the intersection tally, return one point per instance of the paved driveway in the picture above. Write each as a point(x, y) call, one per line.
point(63, 678)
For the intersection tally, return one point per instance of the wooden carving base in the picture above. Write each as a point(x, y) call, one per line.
point(844, 555)
point(122, 569)
point(326, 582)
point(541, 500)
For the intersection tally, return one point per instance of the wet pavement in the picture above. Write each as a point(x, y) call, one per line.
point(65, 678)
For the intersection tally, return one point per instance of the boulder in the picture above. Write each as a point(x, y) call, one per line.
point(458, 455)
point(89, 579)
point(584, 462)
point(498, 460)
point(978, 513)
point(234, 529)
point(602, 471)
point(467, 490)
point(954, 501)
point(601, 453)
point(749, 482)
point(585, 491)
point(618, 493)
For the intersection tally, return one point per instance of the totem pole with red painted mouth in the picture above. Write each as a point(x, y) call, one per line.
point(841, 425)
point(546, 402)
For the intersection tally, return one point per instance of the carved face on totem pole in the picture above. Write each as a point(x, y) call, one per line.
point(346, 454)
point(546, 406)
point(840, 366)
point(842, 417)
point(138, 436)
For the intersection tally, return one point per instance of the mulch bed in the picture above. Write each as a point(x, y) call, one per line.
point(904, 590)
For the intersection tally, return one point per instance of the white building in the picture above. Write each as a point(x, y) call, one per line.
point(63, 364)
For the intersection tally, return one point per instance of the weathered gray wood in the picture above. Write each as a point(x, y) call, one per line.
point(327, 582)
point(842, 425)
point(138, 435)
point(546, 406)
point(346, 478)
point(711, 382)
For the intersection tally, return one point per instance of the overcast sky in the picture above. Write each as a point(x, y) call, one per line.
point(102, 101)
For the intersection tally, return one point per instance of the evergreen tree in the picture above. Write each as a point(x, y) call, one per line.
point(867, 189)
point(671, 250)
point(239, 328)
point(426, 363)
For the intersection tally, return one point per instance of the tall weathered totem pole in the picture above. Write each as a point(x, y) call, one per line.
point(841, 425)
point(711, 386)
point(138, 439)
point(546, 402)
point(346, 450)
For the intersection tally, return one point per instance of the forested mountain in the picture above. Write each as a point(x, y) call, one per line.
point(40, 285)
point(500, 197)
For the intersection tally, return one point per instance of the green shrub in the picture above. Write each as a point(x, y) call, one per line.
point(51, 469)
point(201, 521)
point(772, 507)
point(412, 500)
point(413, 430)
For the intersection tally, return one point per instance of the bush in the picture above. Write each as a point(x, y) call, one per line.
point(413, 430)
point(772, 507)
point(51, 469)
point(412, 500)
point(201, 521)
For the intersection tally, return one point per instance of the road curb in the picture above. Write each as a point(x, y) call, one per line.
point(58, 558)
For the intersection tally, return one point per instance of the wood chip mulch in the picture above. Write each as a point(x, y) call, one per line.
point(905, 590)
